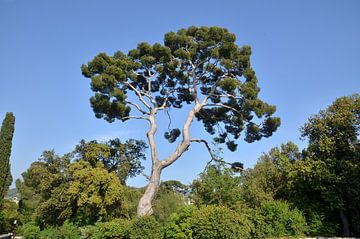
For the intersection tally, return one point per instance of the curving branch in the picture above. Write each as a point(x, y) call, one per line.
point(139, 94)
point(137, 107)
point(206, 145)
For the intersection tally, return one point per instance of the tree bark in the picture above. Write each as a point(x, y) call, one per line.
point(345, 223)
point(145, 204)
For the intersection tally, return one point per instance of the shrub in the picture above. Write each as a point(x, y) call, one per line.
point(276, 219)
point(117, 228)
point(219, 222)
point(31, 231)
point(179, 224)
point(66, 231)
point(145, 228)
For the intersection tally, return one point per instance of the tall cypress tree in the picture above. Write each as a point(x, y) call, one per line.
point(6, 135)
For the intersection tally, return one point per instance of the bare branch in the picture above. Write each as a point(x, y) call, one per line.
point(207, 146)
point(135, 117)
point(138, 93)
point(222, 105)
point(137, 107)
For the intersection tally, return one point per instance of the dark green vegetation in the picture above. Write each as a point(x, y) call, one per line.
point(6, 136)
point(288, 193)
point(199, 67)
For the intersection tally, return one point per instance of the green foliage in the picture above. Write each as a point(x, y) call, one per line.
point(216, 186)
point(66, 231)
point(331, 167)
point(6, 136)
point(192, 62)
point(55, 190)
point(278, 220)
point(31, 231)
point(219, 222)
point(8, 214)
point(122, 158)
point(146, 228)
point(268, 179)
point(117, 228)
point(96, 193)
point(165, 204)
point(179, 224)
point(132, 197)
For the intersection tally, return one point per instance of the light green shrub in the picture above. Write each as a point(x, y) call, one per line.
point(276, 219)
point(146, 228)
point(31, 231)
point(179, 224)
point(219, 222)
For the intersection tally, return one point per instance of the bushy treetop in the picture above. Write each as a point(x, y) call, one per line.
point(197, 64)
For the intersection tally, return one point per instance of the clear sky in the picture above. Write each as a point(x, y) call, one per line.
point(305, 54)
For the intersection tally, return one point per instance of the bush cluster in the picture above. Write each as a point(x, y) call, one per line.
point(273, 219)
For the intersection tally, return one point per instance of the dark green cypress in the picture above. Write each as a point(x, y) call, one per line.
point(6, 135)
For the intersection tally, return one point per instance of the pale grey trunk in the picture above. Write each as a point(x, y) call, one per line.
point(145, 204)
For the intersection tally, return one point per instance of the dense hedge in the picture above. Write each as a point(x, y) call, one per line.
point(273, 219)
point(219, 222)
point(277, 219)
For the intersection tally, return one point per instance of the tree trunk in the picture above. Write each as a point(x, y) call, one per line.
point(145, 204)
point(345, 223)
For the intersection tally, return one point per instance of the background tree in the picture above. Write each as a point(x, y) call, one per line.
point(122, 158)
point(218, 185)
point(331, 168)
point(268, 179)
point(83, 186)
point(198, 66)
point(6, 135)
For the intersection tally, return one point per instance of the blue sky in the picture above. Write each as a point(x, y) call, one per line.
point(305, 54)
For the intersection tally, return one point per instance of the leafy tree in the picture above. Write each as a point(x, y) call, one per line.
point(201, 67)
point(6, 135)
point(56, 189)
point(268, 179)
point(96, 194)
point(122, 158)
point(216, 186)
point(331, 168)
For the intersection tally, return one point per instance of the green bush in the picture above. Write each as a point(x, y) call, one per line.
point(179, 224)
point(30, 231)
point(276, 219)
point(219, 222)
point(145, 228)
point(66, 231)
point(117, 228)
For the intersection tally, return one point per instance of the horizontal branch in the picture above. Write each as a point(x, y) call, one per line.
point(222, 105)
point(135, 117)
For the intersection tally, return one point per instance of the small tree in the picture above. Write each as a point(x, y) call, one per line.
point(6, 135)
point(198, 66)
